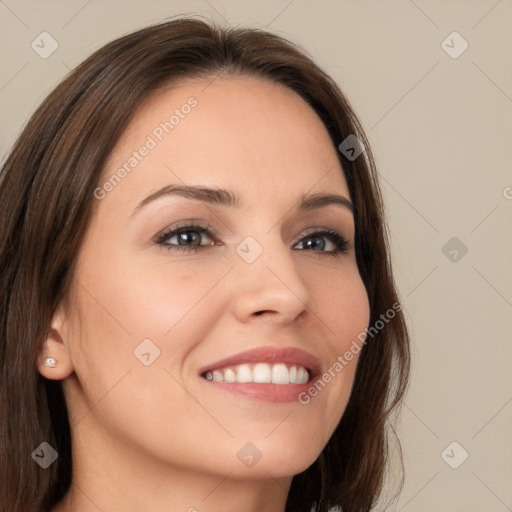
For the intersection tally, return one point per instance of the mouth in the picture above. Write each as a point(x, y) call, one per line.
point(261, 373)
point(266, 373)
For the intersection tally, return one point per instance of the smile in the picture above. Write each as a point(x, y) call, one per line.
point(261, 373)
point(266, 373)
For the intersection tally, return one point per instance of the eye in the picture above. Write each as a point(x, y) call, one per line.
point(336, 243)
point(189, 238)
point(186, 238)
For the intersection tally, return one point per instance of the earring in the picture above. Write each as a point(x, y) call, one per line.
point(50, 362)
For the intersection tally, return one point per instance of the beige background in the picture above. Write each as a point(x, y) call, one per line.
point(441, 130)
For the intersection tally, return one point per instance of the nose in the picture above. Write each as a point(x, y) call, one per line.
point(270, 289)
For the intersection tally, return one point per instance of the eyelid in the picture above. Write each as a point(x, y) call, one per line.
point(315, 229)
point(185, 225)
point(341, 242)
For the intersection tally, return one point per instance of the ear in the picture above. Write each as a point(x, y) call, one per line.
point(55, 348)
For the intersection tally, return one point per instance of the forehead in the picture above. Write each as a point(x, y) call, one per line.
point(243, 133)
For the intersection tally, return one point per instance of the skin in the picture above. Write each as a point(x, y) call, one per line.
point(158, 437)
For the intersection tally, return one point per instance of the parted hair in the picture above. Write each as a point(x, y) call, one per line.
point(47, 188)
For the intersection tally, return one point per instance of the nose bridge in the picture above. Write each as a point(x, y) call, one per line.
point(269, 280)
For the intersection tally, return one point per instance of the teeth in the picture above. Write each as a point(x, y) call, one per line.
point(229, 375)
point(293, 375)
point(218, 376)
point(280, 374)
point(243, 373)
point(302, 375)
point(262, 373)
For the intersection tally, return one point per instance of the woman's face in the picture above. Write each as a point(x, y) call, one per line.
point(162, 310)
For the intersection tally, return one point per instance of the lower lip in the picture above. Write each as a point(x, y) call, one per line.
point(273, 393)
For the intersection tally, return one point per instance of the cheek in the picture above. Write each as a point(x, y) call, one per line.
point(122, 305)
point(171, 300)
point(149, 297)
point(341, 305)
point(350, 312)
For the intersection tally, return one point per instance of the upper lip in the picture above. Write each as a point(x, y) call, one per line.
point(272, 355)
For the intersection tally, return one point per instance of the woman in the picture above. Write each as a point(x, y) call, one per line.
point(198, 309)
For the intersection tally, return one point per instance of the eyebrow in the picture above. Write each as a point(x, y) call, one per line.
point(224, 197)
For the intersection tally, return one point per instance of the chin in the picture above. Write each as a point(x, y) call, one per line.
point(276, 456)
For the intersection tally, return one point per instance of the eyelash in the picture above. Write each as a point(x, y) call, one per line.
point(341, 243)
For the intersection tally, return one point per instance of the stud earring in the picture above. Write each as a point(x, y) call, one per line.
point(50, 362)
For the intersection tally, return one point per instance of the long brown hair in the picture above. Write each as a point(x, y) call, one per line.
point(47, 193)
